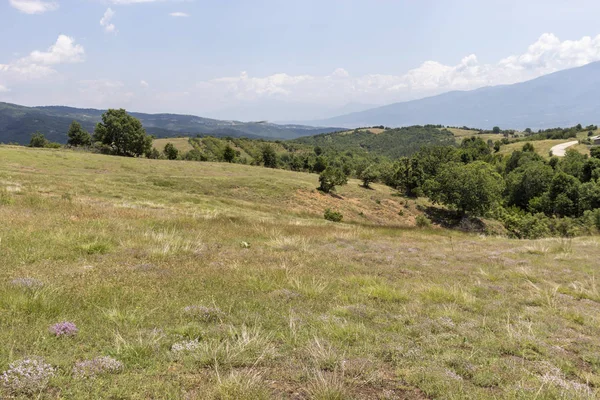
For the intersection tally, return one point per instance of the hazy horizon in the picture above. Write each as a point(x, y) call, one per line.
point(279, 62)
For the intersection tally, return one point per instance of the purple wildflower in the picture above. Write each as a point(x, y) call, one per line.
point(64, 328)
point(27, 376)
point(97, 366)
point(203, 313)
point(27, 283)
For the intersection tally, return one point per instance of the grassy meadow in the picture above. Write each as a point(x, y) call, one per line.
point(223, 281)
point(543, 147)
point(181, 143)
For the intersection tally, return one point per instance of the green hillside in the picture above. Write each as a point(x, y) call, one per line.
point(223, 281)
point(392, 143)
point(17, 123)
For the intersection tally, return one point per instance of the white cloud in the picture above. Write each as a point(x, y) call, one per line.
point(144, 84)
point(4, 89)
point(62, 52)
point(548, 54)
point(38, 63)
point(135, 1)
point(179, 14)
point(33, 6)
point(246, 87)
point(109, 27)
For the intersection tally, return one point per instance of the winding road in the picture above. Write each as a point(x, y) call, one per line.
point(560, 149)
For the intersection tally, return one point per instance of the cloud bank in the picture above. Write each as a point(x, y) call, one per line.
point(39, 64)
point(33, 6)
point(548, 54)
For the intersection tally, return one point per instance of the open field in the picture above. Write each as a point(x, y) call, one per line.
point(181, 144)
point(223, 281)
point(461, 134)
point(542, 147)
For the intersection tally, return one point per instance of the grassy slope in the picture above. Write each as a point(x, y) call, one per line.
point(369, 311)
point(181, 144)
point(542, 147)
point(393, 143)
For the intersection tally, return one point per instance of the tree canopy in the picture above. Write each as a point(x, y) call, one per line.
point(78, 136)
point(122, 134)
point(472, 188)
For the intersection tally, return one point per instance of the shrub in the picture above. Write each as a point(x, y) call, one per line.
point(64, 328)
point(334, 216)
point(154, 154)
point(97, 366)
point(422, 221)
point(187, 346)
point(27, 376)
point(38, 140)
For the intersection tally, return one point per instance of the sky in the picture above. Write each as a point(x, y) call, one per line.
point(280, 60)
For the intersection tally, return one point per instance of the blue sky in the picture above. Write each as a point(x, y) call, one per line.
point(280, 60)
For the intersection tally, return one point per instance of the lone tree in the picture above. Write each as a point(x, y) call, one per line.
point(38, 140)
point(269, 156)
point(369, 175)
point(229, 154)
point(123, 134)
point(473, 188)
point(78, 136)
point(496, 129)
point(171, 151)
point(330, 178)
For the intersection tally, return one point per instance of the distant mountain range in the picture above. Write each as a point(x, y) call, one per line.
point(17, 123)
point(564, 98)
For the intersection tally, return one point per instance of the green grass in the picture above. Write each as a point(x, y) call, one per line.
point(371, 308)
point(181, 144)
point(462, 134)
point(542, 147)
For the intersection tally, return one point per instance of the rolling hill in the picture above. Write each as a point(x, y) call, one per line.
point(564, 98)
point(17, 123)
point(224, 281)
point(391, 143)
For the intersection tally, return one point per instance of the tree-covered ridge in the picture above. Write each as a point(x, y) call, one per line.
point(18, 122)
point(391, 143)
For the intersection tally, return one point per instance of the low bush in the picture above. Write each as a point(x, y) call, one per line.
point(422, 221)
point(334, 216)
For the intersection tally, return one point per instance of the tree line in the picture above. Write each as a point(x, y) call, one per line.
point(531, 196)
